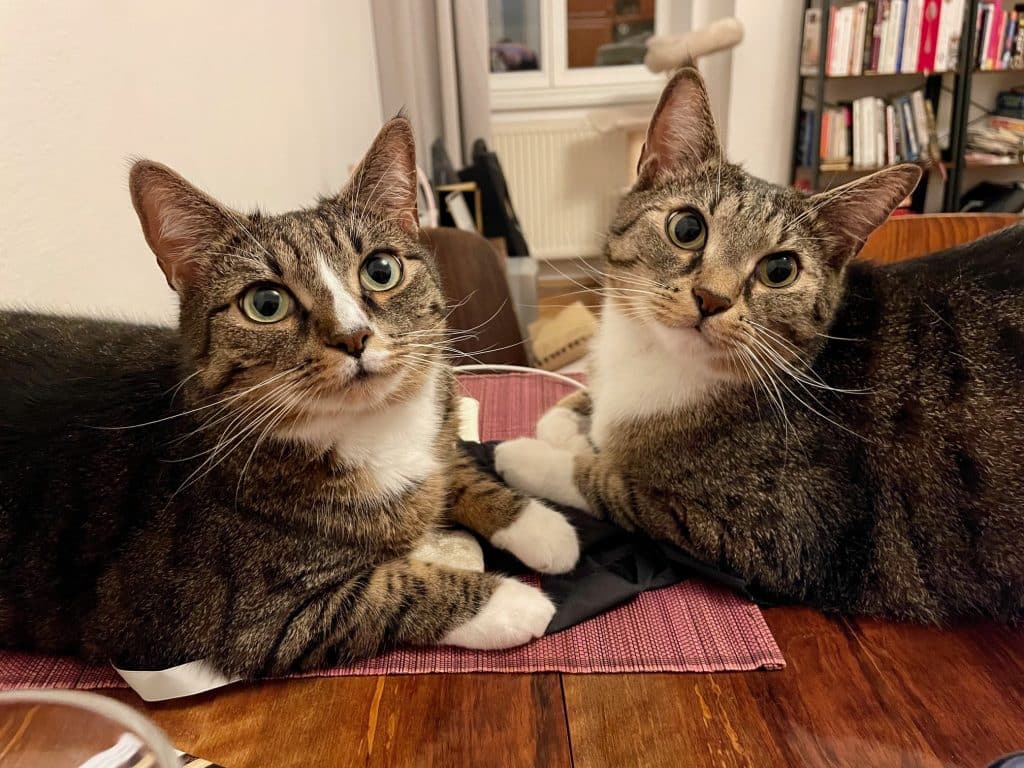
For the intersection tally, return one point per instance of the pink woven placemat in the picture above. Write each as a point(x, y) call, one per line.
point(689, 627)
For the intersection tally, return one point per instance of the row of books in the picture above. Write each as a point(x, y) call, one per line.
point(870, 133)
point(885, 37)
point(1000, 37)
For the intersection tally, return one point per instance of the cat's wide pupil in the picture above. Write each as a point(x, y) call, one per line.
point(686, 229)
point(379, 270)
point(779, 270)
point(267, 301)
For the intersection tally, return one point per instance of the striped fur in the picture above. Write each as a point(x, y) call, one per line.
point(854, 440)
point(251, 493)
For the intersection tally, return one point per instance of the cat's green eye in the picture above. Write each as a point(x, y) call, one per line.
point(380, 272)
point(778, 270)
point(266, 303)
point(687, 229)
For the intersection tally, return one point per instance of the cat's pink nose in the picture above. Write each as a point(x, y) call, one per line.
point(353, 342)
point(710, 303)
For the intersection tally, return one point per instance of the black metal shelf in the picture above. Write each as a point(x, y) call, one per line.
point(962, 76)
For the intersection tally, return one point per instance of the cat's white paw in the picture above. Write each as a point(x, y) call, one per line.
point(559, 426)
point(537, 469)
point(541, 538)
point(515, 614)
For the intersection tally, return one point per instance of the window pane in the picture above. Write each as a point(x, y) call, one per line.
point(608, 33)
point(515, 34)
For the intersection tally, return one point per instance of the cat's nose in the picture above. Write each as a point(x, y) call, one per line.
point(710, 303)
point(351, 342)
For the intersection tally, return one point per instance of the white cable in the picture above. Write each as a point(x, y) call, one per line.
point(522, 369)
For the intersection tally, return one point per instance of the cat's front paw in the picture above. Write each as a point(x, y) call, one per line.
point(516, 613)
point(541, 538)
point(534, 467)
point(561, 427)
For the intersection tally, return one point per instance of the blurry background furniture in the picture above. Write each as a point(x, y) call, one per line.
point(478, 297)
point(907, 237)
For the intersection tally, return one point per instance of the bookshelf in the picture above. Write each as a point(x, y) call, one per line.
point(949, 94)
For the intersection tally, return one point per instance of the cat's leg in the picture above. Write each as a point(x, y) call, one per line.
point(539, 469)
point(402, 602)
point(537, 535)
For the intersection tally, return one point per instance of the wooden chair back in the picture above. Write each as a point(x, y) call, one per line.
point(907, 237)
point(478, 297)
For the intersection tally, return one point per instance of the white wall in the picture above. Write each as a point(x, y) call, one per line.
point(763, 87)
point(263, 103)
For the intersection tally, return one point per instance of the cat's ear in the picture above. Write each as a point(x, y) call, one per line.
point(855, 210)
point(682, 131)
point(177, 219)
point(385, 180)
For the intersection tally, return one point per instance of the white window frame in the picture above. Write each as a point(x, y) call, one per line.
point(555, 84)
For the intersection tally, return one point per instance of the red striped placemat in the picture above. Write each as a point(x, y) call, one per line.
point(689, 627)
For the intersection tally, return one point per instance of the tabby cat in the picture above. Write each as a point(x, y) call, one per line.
point(837, 433)
point(252, 488)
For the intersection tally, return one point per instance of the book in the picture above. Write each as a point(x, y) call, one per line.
point(982, 28)
point(951, 20)
point(900, 32)
point(1009, 33)
point(890, 134)
point(879, 129)
point(830, 49)
point(995, 38)
point(860, 13)
point(876, 34)
point(869, 36)
point(912, 36)
point(910, 134)
point(920, 121)
point(1017, 57)
point(810, 50)
point(930, 15)
point(1007, 123)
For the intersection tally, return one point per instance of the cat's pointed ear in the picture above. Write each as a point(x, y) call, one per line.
point(682, 131)
point(855, 210)
point(385, 180)
point(177, 219)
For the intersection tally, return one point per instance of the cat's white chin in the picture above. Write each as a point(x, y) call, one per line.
point(683, 340)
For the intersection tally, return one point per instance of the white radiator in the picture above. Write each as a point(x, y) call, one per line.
point(565, 178)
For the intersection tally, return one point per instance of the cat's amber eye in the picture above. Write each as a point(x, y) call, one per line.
point(266, 303)
point(380, 272)
point(777, 270)
point(686, 228)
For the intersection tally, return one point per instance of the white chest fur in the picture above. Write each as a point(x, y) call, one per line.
point(640, 370)
point(395, 445)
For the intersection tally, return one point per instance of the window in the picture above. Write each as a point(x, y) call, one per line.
point(565, 53)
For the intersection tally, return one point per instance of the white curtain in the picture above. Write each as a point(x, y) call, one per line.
point(432, 61)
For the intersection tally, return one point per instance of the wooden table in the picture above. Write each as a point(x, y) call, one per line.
point(855, 693)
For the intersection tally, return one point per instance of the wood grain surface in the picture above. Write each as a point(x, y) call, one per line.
point(856, 692)
point(907, 237)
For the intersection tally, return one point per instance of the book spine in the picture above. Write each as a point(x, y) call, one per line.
point(890, 135)
point(847, 38)
point(886, 35)
point(869, 36)
point(857, 43)
point(879, 128)
point(920, 121)
point(1009, 33)
point(830, 51)
point(812, 41)
point(900, 147)
point(946, 12)
point(1017, 60)
point(876, 36)
point(911, 36)
point(908, 129)
point(930, 17)
point(901, 31)
point(994, 37)
point(858, 133)
point(981, 40)
point(848, 132)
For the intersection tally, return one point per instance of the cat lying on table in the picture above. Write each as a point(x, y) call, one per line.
point(832, 432)
point(252, 488)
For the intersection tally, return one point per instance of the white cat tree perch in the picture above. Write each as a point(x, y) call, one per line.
point(667, 53)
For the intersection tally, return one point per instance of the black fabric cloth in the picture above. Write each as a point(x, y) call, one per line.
point(615, 565)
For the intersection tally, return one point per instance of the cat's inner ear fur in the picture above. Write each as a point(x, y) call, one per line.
point(855, 210)
point(178, 220)
point(682, 131)
point(385, 180)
